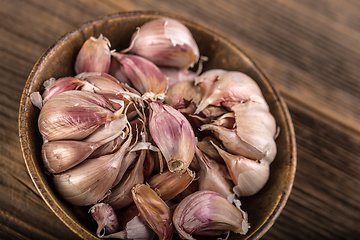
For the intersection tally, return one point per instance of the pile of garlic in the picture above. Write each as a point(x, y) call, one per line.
point(152, 147)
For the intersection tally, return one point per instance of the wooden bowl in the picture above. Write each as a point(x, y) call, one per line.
point(58, 61)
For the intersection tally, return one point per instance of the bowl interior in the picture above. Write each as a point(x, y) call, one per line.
point(58, 61)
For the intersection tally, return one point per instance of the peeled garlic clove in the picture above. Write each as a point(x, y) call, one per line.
point(106, 218)
point(94, 55)
point(211, 177)
point(90, 181)
point(169, 184)
point(248, 175)
point(225, 88)
point(232, 142)
point(256, 126)
point(153, 210)
point(54, 87)
point(144, 75)
point(166, 42)
point(74, 115)
point(208, 213)
point(173, 135)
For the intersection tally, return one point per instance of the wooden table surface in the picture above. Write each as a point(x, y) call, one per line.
point(311, 51)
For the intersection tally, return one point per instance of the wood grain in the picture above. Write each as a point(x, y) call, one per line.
point(311, 51)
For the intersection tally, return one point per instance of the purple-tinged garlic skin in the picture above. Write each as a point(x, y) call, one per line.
point(144, 75)
point(166, 42)
point(106, 218)
point(208, 213)
point(153, 210)
point(94, 56)
point(175, 75)
point(225, 88)
point(54, 87)
point(73, 115)
point(173, 135)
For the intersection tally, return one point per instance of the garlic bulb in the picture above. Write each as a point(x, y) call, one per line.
point(106, 218)
point(166, 42)
point(153, 211)
point(94, 55)
point(225, 88)
point(90, 181)
point(144, 75)
point(74, 115)
point(248, 175)
point(208, 213)
point(169, 184)
point(173, 134)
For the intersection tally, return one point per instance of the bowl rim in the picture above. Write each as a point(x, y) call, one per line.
point(25, 102)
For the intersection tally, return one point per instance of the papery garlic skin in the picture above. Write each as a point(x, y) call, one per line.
point(248, 175)
point(74, 115)
point(106, 218)
point(166, 42)
point(208, 213)
point(94, 55)
point(225, 88)
point(174, 75)
point(173, 135)
point(153, 211)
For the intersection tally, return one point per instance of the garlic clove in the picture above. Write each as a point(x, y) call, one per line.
point(232, 142)
point(135, 229)
point(90, 181)
point(211, 176)
point(149, 164)
point(174, 75)
point(54, 87)
point(256, 126)
point(225, 88)
point(169, 184)
point(153, 210)
point(103, 83)
point(183, 96)
point(144, 75)
point(208, 213)
point(120, 195)
point(206, 147)
point(106, 218)
point(248, 175)
point(166, 42)
point(173, 135)
point(74, 115)
point(94, 55)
